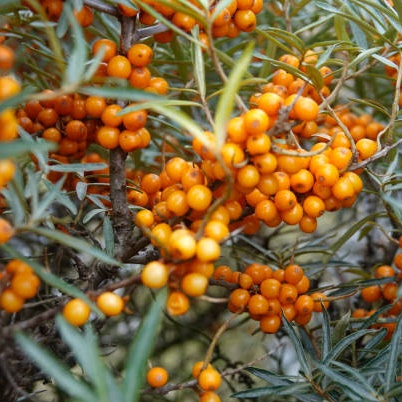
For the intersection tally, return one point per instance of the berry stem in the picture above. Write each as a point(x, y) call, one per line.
point(102, 7)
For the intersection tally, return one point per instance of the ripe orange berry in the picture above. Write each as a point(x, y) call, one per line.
point(327, 174)
point(8, 87)
point(303, 319)
point(157, 377)
point(366, 148)
point(256, 121)
point(355, 180)
point(270, 288)
point(76, 312)
point(76, 130)
point(216, 230)
point(293, 273)
point(94, 106)
point(313, 206)
point(199, 197)
point(6, 231)
point(119, 67)
point(270, 324)
point(303, 285)
point(248, 176)
point(108, 137)
point(245, 20)
point(175, 168)
point(25, 284)
point(208, 249)
point(144, 218)
point(183, 21)
point(343, 189)
point(194, 284)
point(302, 181)
point(140, 55)
point(7, 171)
point(304, 304)
point(371, 293)
point(232, 154)
point(319, 298)
point(140, 77)
point(238, 300)
point(10, 301)
point(257, 305)
point(177, 303)
point(209, 379)
point(285, 200)
point(258, 144)
point(390, 291)
point(155, 275)
point(306, 109)
point(6, 57)
point(110, 303)
point(84, 16)
point(109, 47)
point(197, 368)
point(270, 103)
point(129, 141)
point(177, 203)
point(109, 115)
point(397, 260)
point(287, 293)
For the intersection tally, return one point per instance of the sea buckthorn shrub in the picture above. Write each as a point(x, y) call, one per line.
point(200, 200)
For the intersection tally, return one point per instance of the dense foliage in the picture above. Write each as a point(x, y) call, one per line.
point(200, 200)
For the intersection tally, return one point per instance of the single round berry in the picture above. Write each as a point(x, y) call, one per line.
point(110, 303)
point(157, 377)
point(76, 312)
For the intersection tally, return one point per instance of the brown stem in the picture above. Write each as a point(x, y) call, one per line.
point(122, 219)
point(102, 7)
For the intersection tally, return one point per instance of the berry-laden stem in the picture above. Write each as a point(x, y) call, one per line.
point(122, 220)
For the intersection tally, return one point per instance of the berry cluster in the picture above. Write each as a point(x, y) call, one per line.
point(18, 282)
point(74, 122)
point(385, 294)
point(239, 16)
point(54, 8)
point(266, 293)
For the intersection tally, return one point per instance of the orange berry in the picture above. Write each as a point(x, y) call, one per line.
point(270, 288)
point(304, 305)
point(256, 121)
point(239, 299)
point(175, 168)
point(6, 57)
point(355, 180)
point(155, 275)
point(197, 368)
point(319, 298)
point(366, 148)
point(327, 174)
point(302, 181)
point(194, 284)
point(371, 293)
point(144, 218)
point(140, 77)
point(109, 47)
point(285, 200)
point(313, 206)
point(6, 231)
point(390, 291)
point(76, 312)
point(270, 324)
point(287, 293)
point(208, 249)
point(245, 20)
point(177, 303)
point(94, 106)
point(84, 17)
point(216, 230)
point(232, 154)
point(306, 109)
point(248, 176)
point(303, 319)
point(76, 130)
point(270, 103)
point(258, 305)
point(119, 67)
point(183, 21)
point(397, 260)
point(108, 137)
point(258, 144)
point(140, 55)
point(199, 197)
point(110, 303)
point(343, 189)
point(293, 273)
point(10, 301)
point(129, 141)
point(303, 285)
point(25, 284)
point(209, 379)
point(8, 87)
point(157, 377)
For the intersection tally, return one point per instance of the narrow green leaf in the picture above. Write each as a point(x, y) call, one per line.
point(91, 214)
point(53, 367)
point(345, 343)
point(81, 190)
point(391, 369)
point(54, 190)
point(78, 57)
point(326, 340)
point(340, 328)
point(199, 64)
point(349, 233)
point(77, 167)
point(353, 386)
point(20, 147)
point(140, 350)
point(108, 235)
point(85, 349)
point(129, 94)
point(227, 99)
point(75, 243)
point(269, 376)
point(302, 358)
